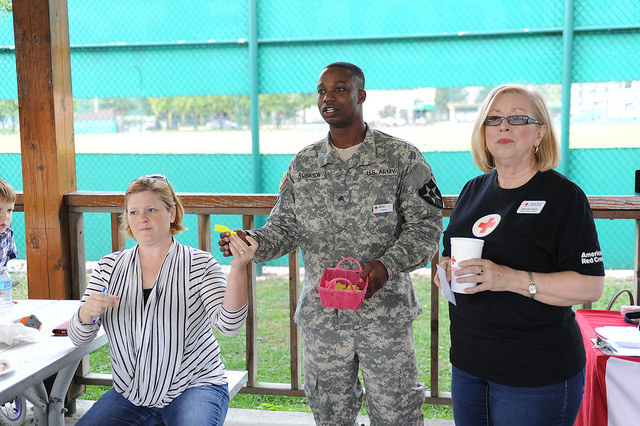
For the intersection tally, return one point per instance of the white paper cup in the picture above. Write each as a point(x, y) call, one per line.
point(463, 249)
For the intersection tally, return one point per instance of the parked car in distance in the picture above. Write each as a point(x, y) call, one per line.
point(221, 123)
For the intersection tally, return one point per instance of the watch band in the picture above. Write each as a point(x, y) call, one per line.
point(532, 285)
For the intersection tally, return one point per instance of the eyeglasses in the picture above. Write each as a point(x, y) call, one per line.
point(156, 177)
point(514, 120)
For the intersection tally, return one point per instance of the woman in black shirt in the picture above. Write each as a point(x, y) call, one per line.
point(516, 349)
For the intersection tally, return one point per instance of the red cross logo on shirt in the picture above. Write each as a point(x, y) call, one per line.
point(486, 225)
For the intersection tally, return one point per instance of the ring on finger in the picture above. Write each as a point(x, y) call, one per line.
point(241, 252)
point(481, 271)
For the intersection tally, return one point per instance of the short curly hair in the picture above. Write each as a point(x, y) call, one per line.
point(356, 72)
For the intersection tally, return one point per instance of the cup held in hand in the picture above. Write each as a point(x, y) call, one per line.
point(463, 249)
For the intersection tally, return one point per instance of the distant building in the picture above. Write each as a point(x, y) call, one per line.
point(94, 122)
point(462, 112)
point(608, 101)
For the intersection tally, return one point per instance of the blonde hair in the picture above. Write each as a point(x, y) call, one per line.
point(7, 193)
point(158, 185)
point(547, 156)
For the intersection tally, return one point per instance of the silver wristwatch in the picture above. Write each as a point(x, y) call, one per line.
point(532, 285)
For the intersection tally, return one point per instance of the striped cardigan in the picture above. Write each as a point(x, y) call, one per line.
point(160, 349)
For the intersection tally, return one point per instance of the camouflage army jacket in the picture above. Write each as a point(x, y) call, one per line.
point(382, 204)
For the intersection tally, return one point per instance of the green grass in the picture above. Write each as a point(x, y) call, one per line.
point(611, 287)
point(273, 345)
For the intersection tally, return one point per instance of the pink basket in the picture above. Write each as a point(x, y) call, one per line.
point(348, 298)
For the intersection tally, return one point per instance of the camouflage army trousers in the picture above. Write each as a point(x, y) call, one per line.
point(389, 368)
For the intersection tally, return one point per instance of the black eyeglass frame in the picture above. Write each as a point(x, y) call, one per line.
point(525, 118)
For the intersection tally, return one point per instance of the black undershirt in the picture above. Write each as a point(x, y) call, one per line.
point(145, 293)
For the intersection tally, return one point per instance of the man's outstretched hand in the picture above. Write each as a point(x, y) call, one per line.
point(378, 275)
point(223, 242)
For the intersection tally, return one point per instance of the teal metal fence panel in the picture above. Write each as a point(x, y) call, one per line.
point(148, 58)
point(197, 47)
point(112, 172)
point(155, 21)
point(160, 71)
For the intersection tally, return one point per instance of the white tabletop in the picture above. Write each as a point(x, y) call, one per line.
point(31, 363)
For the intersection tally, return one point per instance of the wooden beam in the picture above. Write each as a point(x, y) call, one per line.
point(194, 203)
point(43, 69)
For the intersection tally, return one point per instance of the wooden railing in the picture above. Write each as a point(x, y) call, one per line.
point(204, 205)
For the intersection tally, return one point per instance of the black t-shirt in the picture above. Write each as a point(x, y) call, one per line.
point(544, 226)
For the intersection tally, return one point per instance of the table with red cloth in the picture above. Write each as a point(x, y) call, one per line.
point(612, 383)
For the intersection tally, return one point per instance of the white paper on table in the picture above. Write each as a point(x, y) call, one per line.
point(624, 340)
point(445, 285)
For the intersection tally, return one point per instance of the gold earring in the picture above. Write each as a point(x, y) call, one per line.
point(535, 149)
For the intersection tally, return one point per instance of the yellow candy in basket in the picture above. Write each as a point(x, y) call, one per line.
point(341, 286)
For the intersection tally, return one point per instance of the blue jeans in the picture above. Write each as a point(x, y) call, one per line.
point(202, 405)
point(477, 401)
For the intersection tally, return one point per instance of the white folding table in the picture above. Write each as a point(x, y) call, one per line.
point(31, 363)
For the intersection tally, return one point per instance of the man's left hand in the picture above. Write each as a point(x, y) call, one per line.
point(378, 275)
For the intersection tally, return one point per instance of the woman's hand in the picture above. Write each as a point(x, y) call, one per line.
point(241, 249)
point(445, 263)
point(236, 295)
point(489, 276)
point(565, 288)
point(95, 305)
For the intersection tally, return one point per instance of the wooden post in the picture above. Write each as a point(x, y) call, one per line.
point(248, 222)
point(204, 232)
point(435, 329)
point(636, 265)
point(46, 132)
point(295, 339)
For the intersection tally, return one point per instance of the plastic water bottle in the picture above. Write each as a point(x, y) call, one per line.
point(6, 287)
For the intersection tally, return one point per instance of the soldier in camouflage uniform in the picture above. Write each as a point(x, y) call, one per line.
point(364, 194)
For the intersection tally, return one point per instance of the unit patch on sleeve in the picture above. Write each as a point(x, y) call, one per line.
point(431, 194)
point(284, 179)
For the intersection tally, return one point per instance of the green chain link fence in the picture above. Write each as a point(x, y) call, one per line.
point(166, 87)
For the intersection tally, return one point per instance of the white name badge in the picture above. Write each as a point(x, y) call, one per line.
point(531, 207)
point(382, 208)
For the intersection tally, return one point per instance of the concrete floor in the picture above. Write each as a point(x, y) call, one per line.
point(242, 417)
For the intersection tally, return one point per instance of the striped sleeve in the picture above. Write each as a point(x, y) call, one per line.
point(212, 290)
point(230, 323)
point(80, 333)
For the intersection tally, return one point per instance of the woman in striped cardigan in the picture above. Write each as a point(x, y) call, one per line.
point(158, 303)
